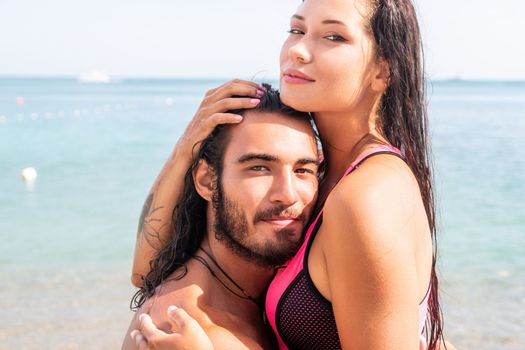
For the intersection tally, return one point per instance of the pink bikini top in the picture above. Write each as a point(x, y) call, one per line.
point(300, 316)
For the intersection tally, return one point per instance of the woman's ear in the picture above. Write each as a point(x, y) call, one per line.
point(204, 178)
point(381, 79)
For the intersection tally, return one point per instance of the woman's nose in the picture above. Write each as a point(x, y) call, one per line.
point(299, 52)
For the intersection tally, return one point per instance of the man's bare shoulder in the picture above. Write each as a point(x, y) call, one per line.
point(189, 296)
point(224, 339)
point(178, 293)
point(194, 300)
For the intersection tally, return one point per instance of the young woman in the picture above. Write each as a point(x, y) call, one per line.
point(365, 275)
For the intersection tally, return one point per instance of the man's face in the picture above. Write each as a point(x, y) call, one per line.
point(267, 188)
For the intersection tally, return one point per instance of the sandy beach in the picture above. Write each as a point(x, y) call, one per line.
point(88, 308)
point(82, 308)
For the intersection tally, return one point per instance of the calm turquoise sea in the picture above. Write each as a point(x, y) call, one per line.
point(67, 240)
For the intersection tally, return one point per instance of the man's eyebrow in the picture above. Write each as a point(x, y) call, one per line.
point(306, 161)
point(271, 158)
point(256, 156)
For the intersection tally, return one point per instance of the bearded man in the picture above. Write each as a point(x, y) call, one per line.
point(246, 200)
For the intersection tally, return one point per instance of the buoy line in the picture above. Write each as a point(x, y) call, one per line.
point(77, 113)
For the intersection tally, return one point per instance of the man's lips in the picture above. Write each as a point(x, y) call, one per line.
point(296, 77)
point(283, 220)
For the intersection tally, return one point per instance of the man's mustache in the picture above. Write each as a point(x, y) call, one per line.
point(279, 211)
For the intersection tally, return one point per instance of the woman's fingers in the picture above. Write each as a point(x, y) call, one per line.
point(181, 318)
point(140, 341)
point(190, 334)
point(239, 82)
point(210, 117)
point(202, 126)
point(223, 118)
point(233, 88)
point(232, 103)
point(242, 81)
point(147, 327)
point(237, 90)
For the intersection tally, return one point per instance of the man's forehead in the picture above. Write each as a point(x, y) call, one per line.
point(254, 119)
point(272, 133)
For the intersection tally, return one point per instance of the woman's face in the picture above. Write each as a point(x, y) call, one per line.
point(328, 61)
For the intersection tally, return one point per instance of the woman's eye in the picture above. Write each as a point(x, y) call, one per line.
point(335, 37)
point(295, 31)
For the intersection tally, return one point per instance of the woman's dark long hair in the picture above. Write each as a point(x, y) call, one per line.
point(189, 216)
point(403, 116)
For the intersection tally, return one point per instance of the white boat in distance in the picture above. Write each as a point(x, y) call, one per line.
point(94, 76)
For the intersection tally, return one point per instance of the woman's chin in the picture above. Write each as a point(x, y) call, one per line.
point(297, 101)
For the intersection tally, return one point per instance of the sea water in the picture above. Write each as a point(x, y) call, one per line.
point(67, 239)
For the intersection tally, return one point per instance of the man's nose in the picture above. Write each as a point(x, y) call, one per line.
point(284, 191)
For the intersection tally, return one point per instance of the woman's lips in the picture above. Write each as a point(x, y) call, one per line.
point(293, 76)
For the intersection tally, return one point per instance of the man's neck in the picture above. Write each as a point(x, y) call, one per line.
point(252, 278)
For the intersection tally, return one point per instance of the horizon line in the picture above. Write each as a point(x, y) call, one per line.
point(120, 78)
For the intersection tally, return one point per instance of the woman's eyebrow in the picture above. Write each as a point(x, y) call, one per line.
point(333, 21)
point(326, 21)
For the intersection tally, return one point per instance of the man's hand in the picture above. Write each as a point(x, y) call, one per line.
point(190, 335)
point(445, 345)
point(422, 343)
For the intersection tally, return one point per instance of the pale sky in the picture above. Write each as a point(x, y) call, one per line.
point(472, 39)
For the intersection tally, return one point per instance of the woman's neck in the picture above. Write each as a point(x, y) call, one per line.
point(344, 136)
point(343, 132)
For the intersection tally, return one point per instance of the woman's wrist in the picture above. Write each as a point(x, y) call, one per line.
point(181, 156)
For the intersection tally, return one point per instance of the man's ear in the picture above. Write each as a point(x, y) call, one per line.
point(204, 178)
point(381, 78)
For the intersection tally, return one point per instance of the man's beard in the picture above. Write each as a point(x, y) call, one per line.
point(231, 228)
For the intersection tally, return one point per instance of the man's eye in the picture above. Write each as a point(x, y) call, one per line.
point(305, 171)
point(259, 168)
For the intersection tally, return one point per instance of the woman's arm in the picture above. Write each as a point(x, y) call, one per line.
point(369, 248)
point(156, 218)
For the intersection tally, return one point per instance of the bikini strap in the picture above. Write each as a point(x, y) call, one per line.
point(369, 152)
point(387, 149)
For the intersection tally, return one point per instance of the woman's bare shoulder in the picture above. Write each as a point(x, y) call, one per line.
point(381, 180)
point(374, 203)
